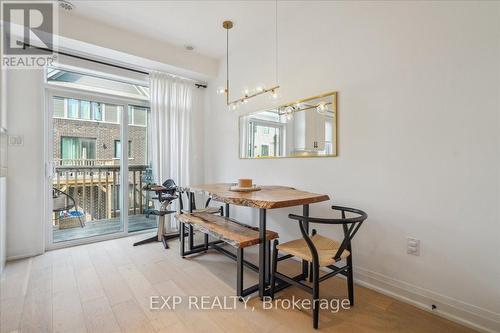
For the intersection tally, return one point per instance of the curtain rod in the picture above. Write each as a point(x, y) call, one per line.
point(197, 85)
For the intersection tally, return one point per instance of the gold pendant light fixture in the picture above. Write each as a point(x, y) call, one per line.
point(247, 94)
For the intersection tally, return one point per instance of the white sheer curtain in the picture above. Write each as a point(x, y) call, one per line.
point(171, 112)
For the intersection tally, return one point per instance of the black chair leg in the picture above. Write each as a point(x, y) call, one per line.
point(313, 233)
point(315, 295)
point(274, 267)
point(239, 272)
point(350, 281)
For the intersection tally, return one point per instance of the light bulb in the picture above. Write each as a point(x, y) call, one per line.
point(245, 101)
point(274, 94)
point(289, 112)
point(321, 108)
point(246, 91)
point(221, 90)
point(234, 107)
point(259, 89)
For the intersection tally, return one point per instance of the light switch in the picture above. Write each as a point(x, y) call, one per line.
point(16, 140)
point(413, 246)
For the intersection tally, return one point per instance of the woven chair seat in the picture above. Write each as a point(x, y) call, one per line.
point(326, 247)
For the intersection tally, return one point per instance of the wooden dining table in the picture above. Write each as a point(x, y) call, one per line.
point(268, 197)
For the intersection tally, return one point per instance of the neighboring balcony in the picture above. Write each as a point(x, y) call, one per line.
point(95, 187)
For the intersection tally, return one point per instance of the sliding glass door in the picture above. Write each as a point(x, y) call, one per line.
point(140, 202)
point(98, 149)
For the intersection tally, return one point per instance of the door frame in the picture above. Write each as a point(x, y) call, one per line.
point(49, 92)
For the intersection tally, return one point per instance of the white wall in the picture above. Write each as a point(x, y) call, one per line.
point(419, 139)
point(25, 229)
point(3, 222)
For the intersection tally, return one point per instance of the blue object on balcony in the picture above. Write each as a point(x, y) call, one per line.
point(76, 213)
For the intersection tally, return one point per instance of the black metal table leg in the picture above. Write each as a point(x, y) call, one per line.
point(268, 263)
point(262, 252)
point(183, 238)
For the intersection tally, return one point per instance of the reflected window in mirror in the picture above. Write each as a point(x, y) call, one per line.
point(305, 128)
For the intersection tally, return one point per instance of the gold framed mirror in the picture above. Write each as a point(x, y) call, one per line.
point(303, 128)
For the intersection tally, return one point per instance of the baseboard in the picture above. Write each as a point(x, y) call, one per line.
point(23, 256)
point(460, 312)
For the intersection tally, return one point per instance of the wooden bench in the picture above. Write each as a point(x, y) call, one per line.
point(229, 231)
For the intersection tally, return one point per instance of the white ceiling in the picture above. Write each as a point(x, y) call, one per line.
point(196, 23)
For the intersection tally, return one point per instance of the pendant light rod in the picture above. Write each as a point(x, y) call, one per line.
point(276, 41)
point(227, 25)
point(234, 103)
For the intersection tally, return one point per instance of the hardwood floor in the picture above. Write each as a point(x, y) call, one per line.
point(106, 287)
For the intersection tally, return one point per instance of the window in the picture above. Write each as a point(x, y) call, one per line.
point(81, 109)
point(265, 139)
point(92, 145)
point(85, 110)
point(58, 107)
point(264, 150)
point(97, 111)
point(73, 108)
point(73, 148)
point(137, 115)
point(111, 113)
point(87, 81)
point(118, 149)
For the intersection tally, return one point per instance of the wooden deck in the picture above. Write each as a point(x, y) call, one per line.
point(103, 227)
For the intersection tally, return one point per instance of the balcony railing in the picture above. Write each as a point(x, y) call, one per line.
point(95, 186)
point(86, 162)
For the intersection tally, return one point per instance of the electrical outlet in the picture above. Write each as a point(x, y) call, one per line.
point(16, 140)
point(413, 246)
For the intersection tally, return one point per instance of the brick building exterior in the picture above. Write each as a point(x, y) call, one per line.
point(105, 135)
point(97, 195)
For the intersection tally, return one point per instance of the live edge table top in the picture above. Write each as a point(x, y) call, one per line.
point(268, 197)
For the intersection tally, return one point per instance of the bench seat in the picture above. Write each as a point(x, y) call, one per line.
point(226, 229)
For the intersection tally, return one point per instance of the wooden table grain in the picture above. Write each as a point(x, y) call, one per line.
point(268, 197)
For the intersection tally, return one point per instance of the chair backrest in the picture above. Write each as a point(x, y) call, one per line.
point(62, 201)
point(189, 196)
point(350, 226)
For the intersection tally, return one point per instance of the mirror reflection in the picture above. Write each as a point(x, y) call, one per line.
point(305, 128)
